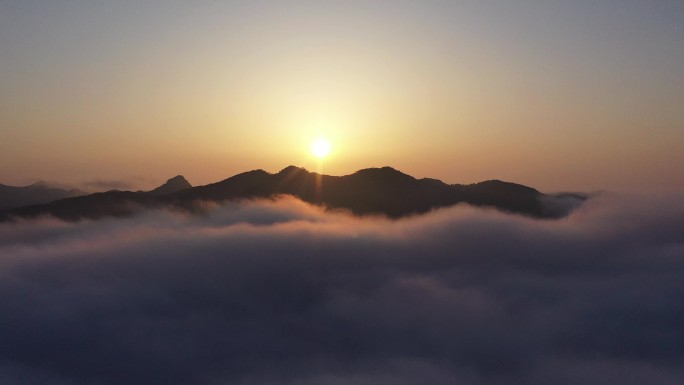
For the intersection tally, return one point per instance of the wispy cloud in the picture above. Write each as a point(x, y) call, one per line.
point(130, 183)
point(281, 292)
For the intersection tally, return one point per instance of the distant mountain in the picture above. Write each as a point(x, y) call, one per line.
point(37, 193)
point(171, 186)
point(383, 191)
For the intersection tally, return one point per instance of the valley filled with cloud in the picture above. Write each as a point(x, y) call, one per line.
point(283, 292)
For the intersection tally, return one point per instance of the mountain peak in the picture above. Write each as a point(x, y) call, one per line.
point(178, 179)
point(172, 185)
point(384, 174)
point(291, 169)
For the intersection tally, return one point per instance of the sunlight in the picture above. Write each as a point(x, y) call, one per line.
point(320, 148)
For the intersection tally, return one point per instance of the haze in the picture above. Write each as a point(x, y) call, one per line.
point(579, 95)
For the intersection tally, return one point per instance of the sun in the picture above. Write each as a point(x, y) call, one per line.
point(320, 148)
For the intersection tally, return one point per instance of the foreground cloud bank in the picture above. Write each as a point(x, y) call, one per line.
point(280, 292)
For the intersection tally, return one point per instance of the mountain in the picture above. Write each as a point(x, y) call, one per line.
point(383, 191)
point(37, 193)
point(171, 186)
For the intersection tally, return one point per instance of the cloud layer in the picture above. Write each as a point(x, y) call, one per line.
point(280, 292)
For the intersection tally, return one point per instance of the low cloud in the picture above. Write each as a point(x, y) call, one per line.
point(281, 292)
point(127, 184)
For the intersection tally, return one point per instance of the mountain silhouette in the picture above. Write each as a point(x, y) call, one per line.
point(175, 184)
point(382, 191)
point(37, 193)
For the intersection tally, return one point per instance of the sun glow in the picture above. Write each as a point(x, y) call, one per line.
point(320, 148)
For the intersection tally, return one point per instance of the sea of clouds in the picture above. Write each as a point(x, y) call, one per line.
point(281, 292)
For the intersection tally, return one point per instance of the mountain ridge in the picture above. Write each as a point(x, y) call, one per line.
point(370, 191)
point(37, 193)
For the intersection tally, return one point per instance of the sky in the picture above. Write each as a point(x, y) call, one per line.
point(558, 95)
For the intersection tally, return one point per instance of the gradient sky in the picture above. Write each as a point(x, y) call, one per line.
point(559, 95)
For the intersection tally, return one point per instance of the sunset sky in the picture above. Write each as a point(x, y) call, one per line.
point(559, 95)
